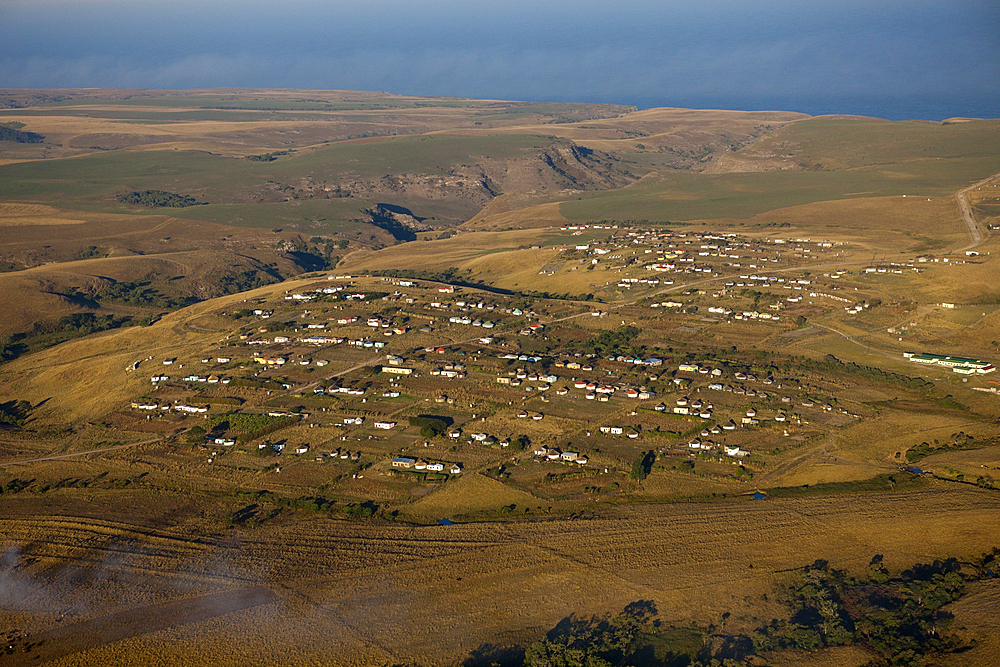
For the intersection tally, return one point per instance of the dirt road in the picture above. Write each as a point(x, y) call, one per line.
point(966, 209)
point(103, 450)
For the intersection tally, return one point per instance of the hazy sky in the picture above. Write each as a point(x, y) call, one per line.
point(891, 58)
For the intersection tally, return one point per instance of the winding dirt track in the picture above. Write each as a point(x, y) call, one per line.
point(966, 209)
point(103, 450)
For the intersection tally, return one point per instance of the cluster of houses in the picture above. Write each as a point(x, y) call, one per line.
point(267, 360)
point(350, 391)
point(408, 463)
point(521, 357)
point(343, 454)
point(151, 406)
point(697, 407)
point(627, 283)
point(486, 324)
point(553, 454)
point(454, 371)
point(651, 361)
point(515, 378)
point(620, 430)
point(363, 342)
point(209, 379)
point(702, 446)
point(673, 253)
point(961, 365)
point(464, 306)
point(333, 289)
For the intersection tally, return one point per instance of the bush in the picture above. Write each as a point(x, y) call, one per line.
point(361, 510)
point(14, 413)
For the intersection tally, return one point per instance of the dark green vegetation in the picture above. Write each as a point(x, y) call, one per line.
point(266, 157)
point(643, 465)
point(899, 620)
point(958, 442)
point(138, 294)
point(248, 426)
point(157, 199)
point(265, 505)
point(8, 133)
point(94, 482)
point(614, 342)
point(831, 363)
point(879, 484)
point(431, 425)
point(14, 413)
point(46, 334)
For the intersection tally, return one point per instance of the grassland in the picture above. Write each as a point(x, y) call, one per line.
point(338, 580)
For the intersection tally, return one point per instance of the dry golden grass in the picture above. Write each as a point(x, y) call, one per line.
point(840, 656)
point(85, 378)
point(12, 214)
point(43, 293)
point(976, 617)
point(660, 127)
point(469, 494)
point(461, 251)
point(662, 484)
point(501, 213)
point(354, 593)
point(308, 640)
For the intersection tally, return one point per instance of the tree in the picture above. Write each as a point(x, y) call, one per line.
point(643, 465)
point(877, 571)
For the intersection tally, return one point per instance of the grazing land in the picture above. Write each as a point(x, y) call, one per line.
point(331, 377)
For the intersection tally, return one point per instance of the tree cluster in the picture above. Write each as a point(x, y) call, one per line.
point(19, 136)
point(158, 199)
point(431, 426)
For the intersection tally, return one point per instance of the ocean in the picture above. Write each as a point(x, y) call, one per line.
point(895, 59)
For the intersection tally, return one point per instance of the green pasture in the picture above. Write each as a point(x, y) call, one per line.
point(166, 116)
point(316, 215)
point(267, 104)
point(433, 154)
point(853, 143)
point(680, 196)
point(217, 179)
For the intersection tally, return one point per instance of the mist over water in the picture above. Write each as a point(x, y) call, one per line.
point(893, 59)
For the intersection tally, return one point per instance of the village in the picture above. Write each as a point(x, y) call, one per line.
point(532, 385)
